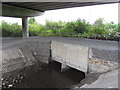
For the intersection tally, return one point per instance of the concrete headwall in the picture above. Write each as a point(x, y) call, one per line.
point(74, 56)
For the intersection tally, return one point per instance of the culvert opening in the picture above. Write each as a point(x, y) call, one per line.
point(49, 76)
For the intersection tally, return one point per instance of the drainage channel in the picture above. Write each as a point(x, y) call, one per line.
point(50, 76)
point(25, 67)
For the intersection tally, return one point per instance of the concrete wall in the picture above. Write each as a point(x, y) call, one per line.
point(75, 56)
point(25, 56)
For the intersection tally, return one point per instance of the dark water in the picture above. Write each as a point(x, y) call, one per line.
point(50, 76)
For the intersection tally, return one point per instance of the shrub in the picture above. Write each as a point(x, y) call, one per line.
point(97, 30)
point(79, 28)
point(11, 30)
point(35, 29)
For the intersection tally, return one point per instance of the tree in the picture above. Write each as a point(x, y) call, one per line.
point(32, 20)
point(99, 27)
point(81, 26)
point(11, 30)
point(113, 26)
point(99, 23)
point(98, 30)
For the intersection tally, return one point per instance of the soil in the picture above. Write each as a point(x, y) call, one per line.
point(49, 76)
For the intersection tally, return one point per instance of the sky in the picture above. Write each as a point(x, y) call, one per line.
point(90, 13)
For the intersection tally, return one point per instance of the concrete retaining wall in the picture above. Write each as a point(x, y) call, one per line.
point(24, 55)
point(74, 56)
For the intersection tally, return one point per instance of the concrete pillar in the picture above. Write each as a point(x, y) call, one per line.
point(64, 67)
point(25, 32)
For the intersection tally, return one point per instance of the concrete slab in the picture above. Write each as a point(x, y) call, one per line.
point(78, 56)
point(58, 50)
point(106, 80)
point(13, 11)
point(74, 56)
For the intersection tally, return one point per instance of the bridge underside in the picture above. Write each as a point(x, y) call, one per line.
point(44, 6)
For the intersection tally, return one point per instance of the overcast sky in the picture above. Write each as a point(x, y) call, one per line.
point(90, 13)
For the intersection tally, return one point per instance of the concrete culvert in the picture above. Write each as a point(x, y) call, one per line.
point(28, 63)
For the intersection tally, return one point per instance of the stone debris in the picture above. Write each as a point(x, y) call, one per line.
point(10, 85)
point(12, 80)
point(101, 66)
point(2, 79)
point(21, 77)
point(3, 83)
point(103, 62)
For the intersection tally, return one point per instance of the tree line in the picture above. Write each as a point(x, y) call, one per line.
point(78, 28)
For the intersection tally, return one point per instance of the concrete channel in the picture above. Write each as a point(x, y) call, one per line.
point(36, 60)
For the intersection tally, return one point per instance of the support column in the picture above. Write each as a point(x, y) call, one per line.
point(25, 32)
point(64, 67)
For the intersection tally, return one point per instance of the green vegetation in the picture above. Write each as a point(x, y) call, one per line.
point(11, 30)
point(79, 28)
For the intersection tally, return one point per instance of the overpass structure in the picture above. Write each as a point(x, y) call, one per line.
point(30, 8)
point(19, 54)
